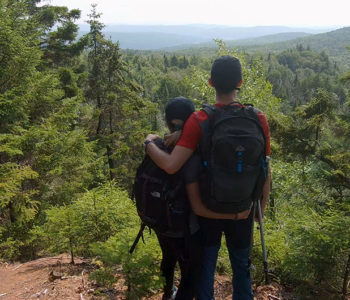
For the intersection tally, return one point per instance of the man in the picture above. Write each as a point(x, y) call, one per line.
point(226, 78)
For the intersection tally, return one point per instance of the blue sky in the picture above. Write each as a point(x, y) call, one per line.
point(296, 13)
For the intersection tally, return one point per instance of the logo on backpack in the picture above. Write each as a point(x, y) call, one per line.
point(233, 152)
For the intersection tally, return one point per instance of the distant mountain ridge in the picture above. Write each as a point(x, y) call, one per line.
point(334, 43)
point(263, 40)
point(211, 31)
point(156, 37)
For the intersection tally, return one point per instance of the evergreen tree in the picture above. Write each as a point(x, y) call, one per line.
point(120, 113)
point(166, 62)
point(45, 156)
point(174, 61)
point(60, 46)
point(184, 62)
point(19, 57)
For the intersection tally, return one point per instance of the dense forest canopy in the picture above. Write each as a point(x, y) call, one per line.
point(74, 113)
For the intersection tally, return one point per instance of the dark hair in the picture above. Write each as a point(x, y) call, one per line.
point(226, 74)
point(178, 108)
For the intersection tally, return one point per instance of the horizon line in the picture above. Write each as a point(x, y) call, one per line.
point(223, 25)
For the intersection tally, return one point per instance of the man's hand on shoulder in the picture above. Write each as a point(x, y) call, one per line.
point(152, 137)
point(170, 163)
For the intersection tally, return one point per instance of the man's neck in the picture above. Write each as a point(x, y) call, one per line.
point(226, 98)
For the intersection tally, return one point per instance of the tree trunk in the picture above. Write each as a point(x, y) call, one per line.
point(99, 125)
point(346, 278)
point(317, 137)
point(111, 162)
point(12, 212)
point(71, 252)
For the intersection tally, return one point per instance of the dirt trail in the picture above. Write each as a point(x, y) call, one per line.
point(31, 280)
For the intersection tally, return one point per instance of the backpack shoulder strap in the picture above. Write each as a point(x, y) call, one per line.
point(254, 113)
point(139, 235)
point(207, 125)
point(206, 128)
point(209, 109)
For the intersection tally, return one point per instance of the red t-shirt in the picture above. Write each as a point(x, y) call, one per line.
point(192, 132)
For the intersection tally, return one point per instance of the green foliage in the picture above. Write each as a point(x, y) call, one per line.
point(10, 248)
point(93, 217)
point(332, 43)
point(311, 195)
point(255, 90)
point(19, 46)
point(60, 230)
point(21, 205)
point(103, 277)
point(102, 212)
point(63, 157)
point(60, 46)
point(296, 74)
point(120, 114)
point(329, 231)
point(140, 269)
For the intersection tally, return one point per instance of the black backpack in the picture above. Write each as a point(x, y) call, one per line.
point(161, 199)
point(232, 147)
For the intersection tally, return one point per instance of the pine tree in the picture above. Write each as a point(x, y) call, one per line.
point(174, 61)
point(166, 62)
point(115, 98)
point(19, 57)
point(45, 156)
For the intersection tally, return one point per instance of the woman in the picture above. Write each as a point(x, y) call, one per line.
point(184, 247)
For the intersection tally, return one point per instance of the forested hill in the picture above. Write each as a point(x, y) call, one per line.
point(262, 40)
point(333, 43)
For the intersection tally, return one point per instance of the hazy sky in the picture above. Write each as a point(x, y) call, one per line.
point(299, 13)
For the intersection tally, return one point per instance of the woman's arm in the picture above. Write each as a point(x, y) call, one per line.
point(200, 209)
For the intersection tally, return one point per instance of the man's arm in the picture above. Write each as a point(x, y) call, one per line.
point(169, 162)
point(200, 209)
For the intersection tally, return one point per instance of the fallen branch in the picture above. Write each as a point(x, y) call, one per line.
point(17, 267)
point(38, 294)
point(81, 296)
point(1, 295)
point(82, 279)
point(69, 277)
point(219, 282)
point(273, 297)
